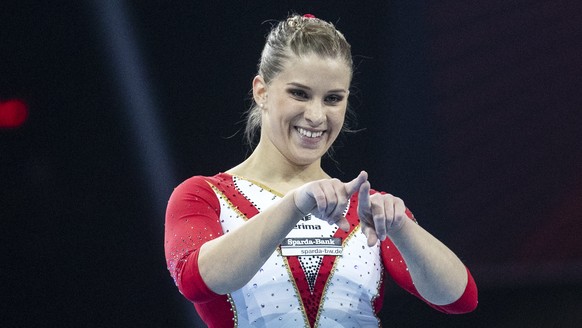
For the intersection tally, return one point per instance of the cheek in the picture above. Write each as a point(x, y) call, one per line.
point(338, 118)
point(335, 122)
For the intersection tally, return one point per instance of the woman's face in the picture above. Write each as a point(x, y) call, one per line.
point(304, 107)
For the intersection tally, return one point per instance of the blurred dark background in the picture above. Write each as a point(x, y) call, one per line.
point(471, 113)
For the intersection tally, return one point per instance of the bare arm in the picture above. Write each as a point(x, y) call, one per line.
point(228, 262)
point(438, 274)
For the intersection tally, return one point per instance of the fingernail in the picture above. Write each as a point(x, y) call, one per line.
point(345, 226)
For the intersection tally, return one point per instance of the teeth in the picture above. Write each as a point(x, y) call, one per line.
point(310, 134)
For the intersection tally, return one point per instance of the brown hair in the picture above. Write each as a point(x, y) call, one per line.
point(298, 35)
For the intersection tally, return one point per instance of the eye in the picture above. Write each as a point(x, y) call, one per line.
point(298, 94)
point(333, 99)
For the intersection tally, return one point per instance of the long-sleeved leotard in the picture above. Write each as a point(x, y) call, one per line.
point(288, 291)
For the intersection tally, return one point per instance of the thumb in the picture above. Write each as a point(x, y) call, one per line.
point(354, 185)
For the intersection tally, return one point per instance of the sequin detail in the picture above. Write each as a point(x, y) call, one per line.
point(318, 291)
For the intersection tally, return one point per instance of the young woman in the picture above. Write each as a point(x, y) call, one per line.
point(276, 241)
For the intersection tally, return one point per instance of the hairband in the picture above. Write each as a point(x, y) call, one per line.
point(308, 16)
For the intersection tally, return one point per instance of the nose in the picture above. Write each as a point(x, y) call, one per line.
point(314, 113)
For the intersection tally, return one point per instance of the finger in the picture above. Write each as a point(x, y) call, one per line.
point(342, 199)
point(364, 210)
point(399, 214)
point(343, 224)
point(365, 214)
point(339, 211)
point(320, 200)
point(378, 206)
point(370, 234)
point(331, 201)
point(354, 185)
point(364, 198)
point(389, 208)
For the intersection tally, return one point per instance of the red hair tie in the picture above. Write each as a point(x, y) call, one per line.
point(308, 16)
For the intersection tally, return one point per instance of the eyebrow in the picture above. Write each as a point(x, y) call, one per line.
point(299, 85)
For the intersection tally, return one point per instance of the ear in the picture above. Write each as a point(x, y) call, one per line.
point(259, 90)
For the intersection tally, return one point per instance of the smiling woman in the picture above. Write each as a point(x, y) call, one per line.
point(303, 110)
point(228, 236)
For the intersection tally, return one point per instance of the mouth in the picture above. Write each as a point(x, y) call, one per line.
point(309, 134)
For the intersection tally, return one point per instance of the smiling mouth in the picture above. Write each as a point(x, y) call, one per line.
point(309, 134)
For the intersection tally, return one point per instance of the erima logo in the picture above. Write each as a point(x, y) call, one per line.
point(307, 226)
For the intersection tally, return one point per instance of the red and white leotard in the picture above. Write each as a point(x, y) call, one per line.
point(288, 291)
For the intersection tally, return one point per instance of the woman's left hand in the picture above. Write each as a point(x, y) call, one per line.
point(380, 214)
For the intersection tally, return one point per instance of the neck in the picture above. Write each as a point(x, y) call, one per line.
point(275, 171)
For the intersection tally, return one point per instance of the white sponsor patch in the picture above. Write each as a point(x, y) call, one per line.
point(311, 246)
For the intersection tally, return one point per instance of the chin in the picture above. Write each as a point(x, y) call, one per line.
point(308, 160)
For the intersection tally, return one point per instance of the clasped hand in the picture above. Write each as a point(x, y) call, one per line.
point(380, 214)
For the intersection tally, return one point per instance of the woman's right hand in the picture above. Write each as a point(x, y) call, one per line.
point(327, 199)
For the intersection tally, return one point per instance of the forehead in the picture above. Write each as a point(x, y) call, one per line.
point(313, 70)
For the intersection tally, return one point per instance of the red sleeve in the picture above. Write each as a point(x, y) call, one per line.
point(192, 218)
point(398, 270)
point(466, 303)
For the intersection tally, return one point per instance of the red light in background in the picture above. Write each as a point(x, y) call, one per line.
point(13, 113)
